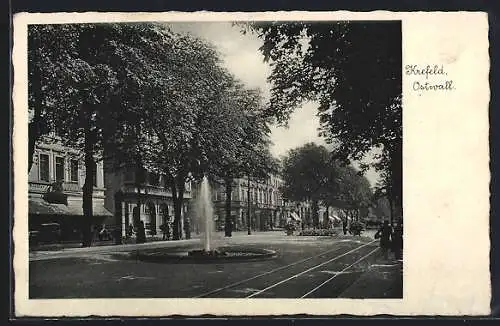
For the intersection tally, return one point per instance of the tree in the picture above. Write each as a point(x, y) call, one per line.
point(355, 193)
point(356, 83)
point(247, 150)
point(49, 49)
point(308, 175)
point(93, 80)
point(193, 125)
point(311, 174)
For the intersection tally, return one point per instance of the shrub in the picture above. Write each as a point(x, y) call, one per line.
point(318, 232)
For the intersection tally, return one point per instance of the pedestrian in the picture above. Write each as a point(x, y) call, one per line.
point(397, 240)
point(384, 234)
point(141, 233)
point(103, 233)
point(168, 228)
point(164, 230)
point(130, 230)
point(116, 235)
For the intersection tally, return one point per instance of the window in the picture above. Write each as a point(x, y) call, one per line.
point(44, 167)
point(129, 174)
point(59, 168)
point(154, 179)
point(73, 170)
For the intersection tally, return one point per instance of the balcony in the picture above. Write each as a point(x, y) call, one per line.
point(70, 188)
point(130, 187)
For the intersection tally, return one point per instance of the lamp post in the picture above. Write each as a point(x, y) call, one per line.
point(387, 195)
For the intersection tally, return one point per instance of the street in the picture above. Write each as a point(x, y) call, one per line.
point(305, 267)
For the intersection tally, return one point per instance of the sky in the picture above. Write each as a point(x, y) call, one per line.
point(241, 56)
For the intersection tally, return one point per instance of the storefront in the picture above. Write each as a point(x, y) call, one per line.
point(69, 217)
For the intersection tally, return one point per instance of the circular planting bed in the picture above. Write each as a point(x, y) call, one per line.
point(221, 254)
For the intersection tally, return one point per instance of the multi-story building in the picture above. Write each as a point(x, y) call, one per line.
point(118, 194)
point(262, 198)
point(268, 208)
point(57, 166)
point(130, 188)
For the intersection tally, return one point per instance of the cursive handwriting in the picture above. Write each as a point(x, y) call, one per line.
point(425, 71)
point(447, 85)
point(429, 78)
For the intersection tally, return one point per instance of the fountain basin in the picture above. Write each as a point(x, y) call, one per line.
point(219, 255)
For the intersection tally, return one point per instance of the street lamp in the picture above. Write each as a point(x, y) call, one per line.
point(386, 193)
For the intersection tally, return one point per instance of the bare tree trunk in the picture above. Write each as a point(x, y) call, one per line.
point(391, 207)
point(138, 184)
point(33, 135)
point(178, 197)
point(177, 221)
point(249, 220)
point(315, 217)
point(327, 217)
point(187, 221)
point(88, 188)
point(118, 230)
point(229, 189)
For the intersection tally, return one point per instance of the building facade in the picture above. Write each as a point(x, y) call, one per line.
point(56, 166)
point(261, 198)
point(130, 188)
point(268, 208)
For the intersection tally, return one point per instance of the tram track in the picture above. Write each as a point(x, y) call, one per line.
point(337, 274)
point(260, 285)
point(298, 284)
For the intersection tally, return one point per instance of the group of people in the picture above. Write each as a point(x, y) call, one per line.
point(391, 239)
point(140, 232)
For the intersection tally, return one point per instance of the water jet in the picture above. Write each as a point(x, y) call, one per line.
point(204, 210)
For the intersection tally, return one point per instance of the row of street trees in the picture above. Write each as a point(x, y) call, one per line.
point(311, 174)
point(141, 95)
point(352, 69)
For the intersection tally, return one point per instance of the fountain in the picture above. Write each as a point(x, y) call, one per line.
point(205, 213)
point(203, 209)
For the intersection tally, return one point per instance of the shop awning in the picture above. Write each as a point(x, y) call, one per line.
point(39, 206)
point(295, 217)
point(334, 218)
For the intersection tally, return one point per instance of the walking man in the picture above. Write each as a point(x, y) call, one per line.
point(397, 240)
point(141, 233)
point(385, 234)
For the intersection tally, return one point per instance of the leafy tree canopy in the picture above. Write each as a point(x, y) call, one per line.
point(310, 173)
point(353, 71)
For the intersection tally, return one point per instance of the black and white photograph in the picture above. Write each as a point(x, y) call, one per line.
point(215, 160)
point(226, 159)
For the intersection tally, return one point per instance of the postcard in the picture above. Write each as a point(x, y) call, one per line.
point(246, 164)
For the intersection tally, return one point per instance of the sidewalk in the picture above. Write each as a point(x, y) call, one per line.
point(75, 249)
point(384, 278)
point(218, 238)
point(130, 243)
